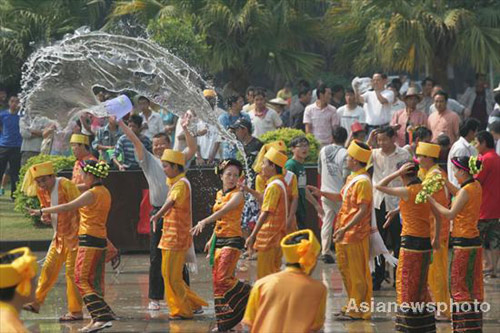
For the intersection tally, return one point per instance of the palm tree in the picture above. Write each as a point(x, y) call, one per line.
point(412, 35)
point(28, 24)
point(245, 37)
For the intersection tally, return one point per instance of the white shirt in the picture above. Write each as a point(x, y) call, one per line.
point(269, 122)
point(384, 165)
point(349, 117)
point(332, 167)
point(322, 122)
point(207, 141)
point(154, 124)
point(26, 125)
point(460, 148)
point(376, 112)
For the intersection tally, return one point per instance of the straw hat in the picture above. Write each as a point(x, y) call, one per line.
point(413, 91)
point(278, 101)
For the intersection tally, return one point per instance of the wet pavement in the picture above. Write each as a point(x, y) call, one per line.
point(127, 294)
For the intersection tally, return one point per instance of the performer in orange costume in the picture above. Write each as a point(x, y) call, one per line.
point(466, 280)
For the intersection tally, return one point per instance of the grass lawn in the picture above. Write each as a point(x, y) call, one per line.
point(14, 226)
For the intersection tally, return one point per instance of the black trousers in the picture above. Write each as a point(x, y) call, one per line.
point(392, 240)
point(11, 156)
point(156, 286)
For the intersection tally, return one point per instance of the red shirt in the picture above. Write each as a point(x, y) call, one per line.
point(489, 177)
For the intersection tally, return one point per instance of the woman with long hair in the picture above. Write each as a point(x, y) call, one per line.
point(226, 244)
point(466, 274)
point(93, 205)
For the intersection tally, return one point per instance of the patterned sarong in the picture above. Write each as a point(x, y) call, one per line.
point(466, 284)
point(89, 276)
point(230, 294)
point(413, 314)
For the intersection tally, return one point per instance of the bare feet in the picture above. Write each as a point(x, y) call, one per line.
point(32, 307)
point(96, 326)
point(72, 316)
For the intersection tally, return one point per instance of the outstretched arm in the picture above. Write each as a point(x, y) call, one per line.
point(400, 192)
point(85, 199)
point(314, 202)
point(231, 204)
point(192, 145)
point(329, 195)
point(138, 146)
point(456, 206)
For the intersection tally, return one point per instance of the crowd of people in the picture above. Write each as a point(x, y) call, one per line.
point(400, 160)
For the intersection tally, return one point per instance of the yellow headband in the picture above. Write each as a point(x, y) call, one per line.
point(428, 149)
point(173, 156)
point(19, 272)
point(37, 170)
point(359, 153)
point(276, 157)
point(304, 253)
point(80, 138)
point(278, 145)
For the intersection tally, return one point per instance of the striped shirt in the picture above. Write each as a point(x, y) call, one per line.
point(125, 147)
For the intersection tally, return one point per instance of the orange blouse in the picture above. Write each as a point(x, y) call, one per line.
point(273, 229)
point(230, 224)
point(359, 193)
point(94, 217)
point(442, 198)
point(177, 220)
point(465, 223)
point(415, 217)
point(67, 222)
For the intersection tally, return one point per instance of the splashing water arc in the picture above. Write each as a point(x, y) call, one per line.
point(57, 80)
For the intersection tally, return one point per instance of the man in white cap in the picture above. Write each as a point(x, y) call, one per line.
point(280, 105)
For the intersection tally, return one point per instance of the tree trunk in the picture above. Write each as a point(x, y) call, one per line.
point(240, 79)
point(439, 69)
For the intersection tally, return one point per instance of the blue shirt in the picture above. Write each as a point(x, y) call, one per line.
point(10, 135)
point(125, 147)
point(227, 120)
point(229, 150)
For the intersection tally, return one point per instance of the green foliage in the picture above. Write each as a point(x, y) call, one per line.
point(178, 36)
point(246, 38)
point(23, 201)
point(287, 134)
point(28, 24)
point(411, 35)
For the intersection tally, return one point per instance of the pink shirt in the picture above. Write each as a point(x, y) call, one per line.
point(322, 122)
point(444, 123)
point(417, 118)
point(489, 177)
